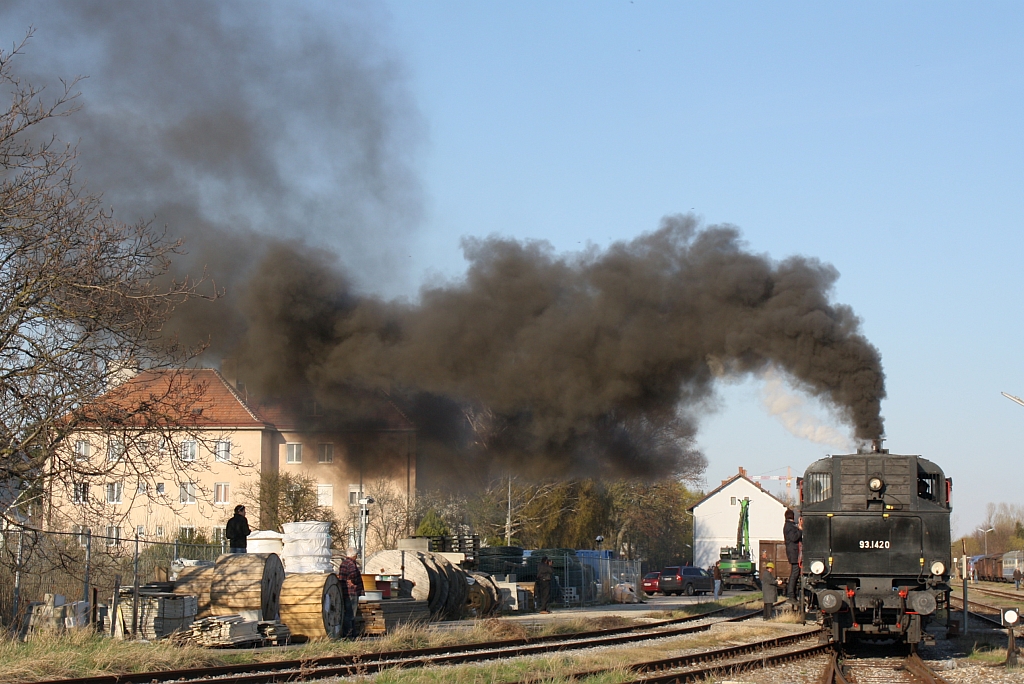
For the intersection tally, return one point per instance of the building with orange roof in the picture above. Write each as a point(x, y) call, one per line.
point(168, 453)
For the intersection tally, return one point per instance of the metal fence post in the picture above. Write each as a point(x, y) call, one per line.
point(175, 550)
point(135, 590)
point(88, 563)
point(17, 572)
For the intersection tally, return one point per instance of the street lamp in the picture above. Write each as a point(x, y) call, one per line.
point(991, 529)
point(364, 519)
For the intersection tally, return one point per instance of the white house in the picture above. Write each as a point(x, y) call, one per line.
point(716, 518)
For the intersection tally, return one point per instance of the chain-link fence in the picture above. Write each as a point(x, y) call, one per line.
point(580, 581)
point(34, 563)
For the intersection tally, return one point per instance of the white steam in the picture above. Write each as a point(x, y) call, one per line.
point(792, 410)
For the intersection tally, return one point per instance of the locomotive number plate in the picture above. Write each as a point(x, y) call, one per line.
point(874, 544)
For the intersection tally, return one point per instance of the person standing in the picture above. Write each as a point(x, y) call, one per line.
point(769, 590)
point(237, 531)
point(351, 589)
point(1017, 577)
point(716, 572)
point(793, 535)
point(542, 589)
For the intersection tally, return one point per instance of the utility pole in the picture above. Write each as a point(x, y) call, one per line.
point(508, 516)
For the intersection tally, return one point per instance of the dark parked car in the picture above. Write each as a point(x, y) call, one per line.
point(651, 583)
point(685, 580)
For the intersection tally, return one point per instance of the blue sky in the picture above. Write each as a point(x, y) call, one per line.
point(883, 138)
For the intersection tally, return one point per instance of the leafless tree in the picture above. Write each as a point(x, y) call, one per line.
point(83, 302)
point(389, 515)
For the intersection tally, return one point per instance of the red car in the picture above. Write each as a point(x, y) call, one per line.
point(651, 583)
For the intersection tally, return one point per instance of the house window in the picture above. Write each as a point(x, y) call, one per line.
point(81, 493)
point(186, 533)
point(218, 534)
point(188, 451)
point(114, 492)
point(115, 450)
point(81, 535)
point(355, 493)
point(294, 453)
point(143, 488)
point(325, 453)
point(83, 450)
point(159, 530)
point(188, 493)
point(113, 535)
point(224, 451)
point(221, 493)
point(732, 500)
point(140, 530)
point(324, 495)
point(160, 488)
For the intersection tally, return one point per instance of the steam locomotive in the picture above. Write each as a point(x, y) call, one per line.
point(876, 544)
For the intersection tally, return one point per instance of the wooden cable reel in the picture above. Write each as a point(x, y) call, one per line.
point(195, 581)
point(247, 582)
point(312, 605)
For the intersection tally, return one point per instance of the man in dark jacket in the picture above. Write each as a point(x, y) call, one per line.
point(1017, 576)
point(237, 531)
point(793, 535)
point(542, 589)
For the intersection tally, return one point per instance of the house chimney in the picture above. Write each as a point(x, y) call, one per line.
point(743, 471)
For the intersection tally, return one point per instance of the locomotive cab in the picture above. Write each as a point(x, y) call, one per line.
point(876, 553)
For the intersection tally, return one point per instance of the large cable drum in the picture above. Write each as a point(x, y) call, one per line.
point(312, 605)
point(247, 582)
point(195, 581)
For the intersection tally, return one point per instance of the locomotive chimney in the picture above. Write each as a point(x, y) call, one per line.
point(876, 446)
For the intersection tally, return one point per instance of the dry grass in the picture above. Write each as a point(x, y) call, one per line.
point(557, 668)
point(80, 654)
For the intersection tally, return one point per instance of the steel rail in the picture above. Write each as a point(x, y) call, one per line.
point(980, 616)
point(918, 668)
point(832, 673)
point(735, 667)
point(677, 662)
point(347, 665)
point(994, 592)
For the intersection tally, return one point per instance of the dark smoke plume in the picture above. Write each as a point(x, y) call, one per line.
point(236, 124)
point(574, 363)
point(279, 143)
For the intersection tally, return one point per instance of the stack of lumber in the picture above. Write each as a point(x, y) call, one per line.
point(195, 581)
point(221, 631)
point(274, 632)
point(160, 614)
point(383, 616)
point(55, 614)
point(434, 579)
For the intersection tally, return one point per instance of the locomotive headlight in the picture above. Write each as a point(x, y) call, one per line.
point(817, 567)
point(875, 484)
point(938, 568)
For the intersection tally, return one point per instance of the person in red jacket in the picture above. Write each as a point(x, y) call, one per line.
point(351, 589)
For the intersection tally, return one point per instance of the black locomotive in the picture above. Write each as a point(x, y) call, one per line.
point(876, 548)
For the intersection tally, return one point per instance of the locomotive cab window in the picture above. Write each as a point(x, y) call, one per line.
point(928, 486)
point(818, 487)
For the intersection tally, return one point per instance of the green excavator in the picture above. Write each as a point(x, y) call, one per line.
point(735, 564)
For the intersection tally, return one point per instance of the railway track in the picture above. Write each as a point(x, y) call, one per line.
point(344, 666)
point(699, 667)
point(984, 617)
point(879, 670)
point(995, 592)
